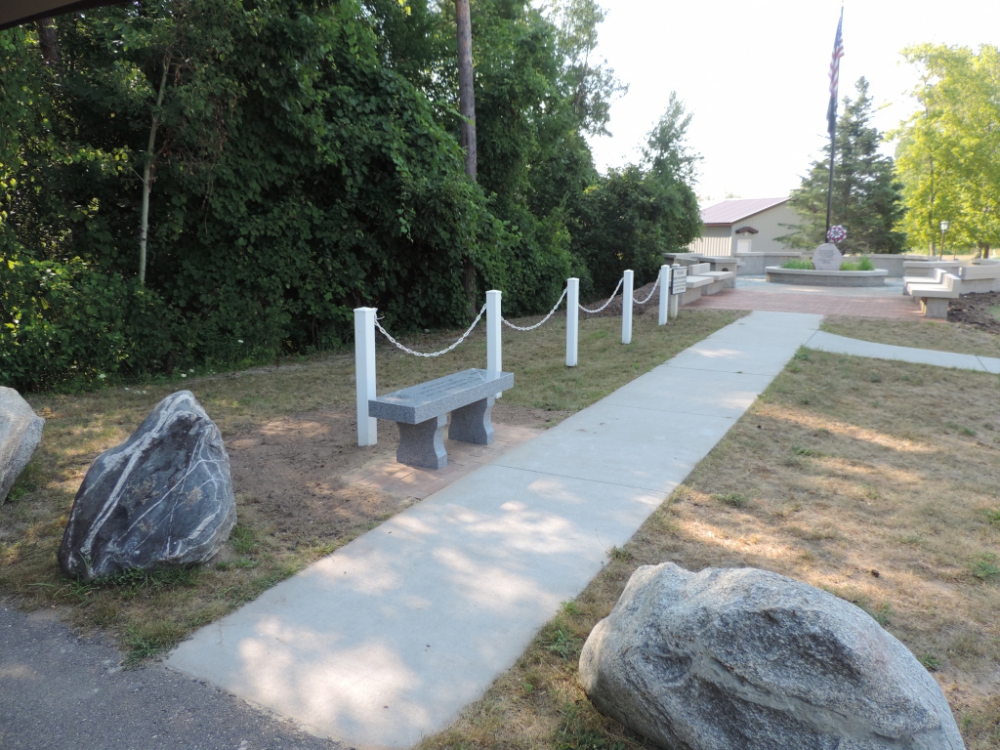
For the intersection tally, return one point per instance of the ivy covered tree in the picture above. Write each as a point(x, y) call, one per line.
point(867, 195)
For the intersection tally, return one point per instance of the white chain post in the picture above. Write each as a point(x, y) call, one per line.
point(675, 300)
point(664, 293)
point(627, 308)
point(364, 372)
point(572, 320)
point(494, 349)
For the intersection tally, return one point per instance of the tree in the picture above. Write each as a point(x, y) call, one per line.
point(948, 154)
point(635, 214)
point(867, 196)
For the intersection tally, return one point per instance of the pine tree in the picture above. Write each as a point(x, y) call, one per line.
point(867, 196)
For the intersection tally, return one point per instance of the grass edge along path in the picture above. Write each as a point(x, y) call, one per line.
point(838, 476)
point(938, 335)
point(150, 612)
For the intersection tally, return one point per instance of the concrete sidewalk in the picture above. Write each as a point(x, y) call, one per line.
point(828, 342)
point(387, 639)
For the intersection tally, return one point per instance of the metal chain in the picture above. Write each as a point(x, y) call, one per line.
point(540, 322)
point(650, 293)
point(433, 354)
point(620, 281)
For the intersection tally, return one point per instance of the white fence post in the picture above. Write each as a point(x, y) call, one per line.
point(572, 320)
point(664, 293)
point(494, 348)
point(627, 309)
point(364, 372)
point(675, 299)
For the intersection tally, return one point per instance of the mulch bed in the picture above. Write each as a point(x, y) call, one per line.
point(974, 310)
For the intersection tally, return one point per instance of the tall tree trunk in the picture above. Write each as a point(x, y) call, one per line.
point(467, 108)
point(48, 40)
point(147, 173)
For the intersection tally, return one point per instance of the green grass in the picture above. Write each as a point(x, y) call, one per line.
point(733, 500)
point(798, 264)
point(865, 264)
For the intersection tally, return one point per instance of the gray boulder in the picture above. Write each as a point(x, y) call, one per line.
point(20, 436)
point(163, 497)
point(743, 658)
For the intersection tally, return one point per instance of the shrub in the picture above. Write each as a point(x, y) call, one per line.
point(865, 264)
point(798, 264)
point(67, 325)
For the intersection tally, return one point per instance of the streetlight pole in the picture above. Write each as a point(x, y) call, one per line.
point(944, 228)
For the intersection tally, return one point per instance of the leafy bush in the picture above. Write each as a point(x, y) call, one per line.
point(865, 264)
point(798, 264)
point(66, 325)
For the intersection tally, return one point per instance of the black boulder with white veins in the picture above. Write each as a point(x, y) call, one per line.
point(163, 497)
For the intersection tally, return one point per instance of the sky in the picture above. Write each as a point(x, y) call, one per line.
point(755, 77)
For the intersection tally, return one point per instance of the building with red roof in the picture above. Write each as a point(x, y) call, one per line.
point(745, 225)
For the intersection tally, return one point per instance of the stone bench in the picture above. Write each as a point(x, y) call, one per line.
point(933, 298)
point(421, 411)
point(980, 278)
point(702, 280)
point(935, 277)
point(928, 268)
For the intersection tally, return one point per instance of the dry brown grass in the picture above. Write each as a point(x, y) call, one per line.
point(149, 613)
point(876, 481)
point(924, 334)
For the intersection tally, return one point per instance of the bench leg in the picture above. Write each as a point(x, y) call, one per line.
point(934, 307)
point(423, 444)
point(472, 423)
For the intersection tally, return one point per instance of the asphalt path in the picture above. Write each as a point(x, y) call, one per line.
point(60, 691)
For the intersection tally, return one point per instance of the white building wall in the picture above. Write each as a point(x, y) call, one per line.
point(721, 240)
point(769, 226)
point(714, 241)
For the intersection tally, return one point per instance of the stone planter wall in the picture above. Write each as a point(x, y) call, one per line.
point(778, 275)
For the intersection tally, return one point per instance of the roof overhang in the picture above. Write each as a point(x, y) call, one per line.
point(15, 12)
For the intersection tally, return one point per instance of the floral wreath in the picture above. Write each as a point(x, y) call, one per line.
point(836, 234)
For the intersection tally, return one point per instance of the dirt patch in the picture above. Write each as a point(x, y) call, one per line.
point(290, 471)
point(976, 310)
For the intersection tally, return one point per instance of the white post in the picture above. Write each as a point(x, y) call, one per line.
point(364, 372)
point(572, 320)
point(664, 293)
point(675, 300)
point(494, 353)
point(627, 309)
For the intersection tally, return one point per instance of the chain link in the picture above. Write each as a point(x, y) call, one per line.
point(540, 322)
point(620, 281)
point(651, 291)
point(433, 354)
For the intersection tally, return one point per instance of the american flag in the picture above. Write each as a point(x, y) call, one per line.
point(838, 52)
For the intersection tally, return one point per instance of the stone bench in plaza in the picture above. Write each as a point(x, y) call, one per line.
point(933, 297)
point(421, 411)
point(701, 281)
point(980, 278)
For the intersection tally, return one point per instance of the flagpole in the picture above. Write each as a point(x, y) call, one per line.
point(831, 113)
point(829, 191)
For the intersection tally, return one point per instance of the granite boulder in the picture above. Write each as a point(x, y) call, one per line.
point(163, 497)
point(20, 436)
point(745, 659)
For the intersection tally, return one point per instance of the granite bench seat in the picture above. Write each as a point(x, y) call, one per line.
point(980, 278)
point(933, 298)
point(421, 411)
point(724, 279)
